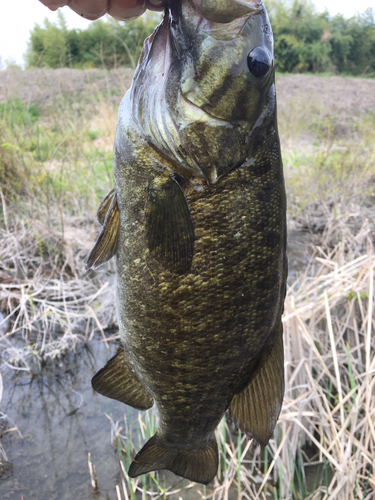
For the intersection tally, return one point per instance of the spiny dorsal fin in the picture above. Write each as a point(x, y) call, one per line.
point(196, 464)
point(226, 11)
point(105, 206)
point(106, 244)
point(116, 381)
point(256, 408)
point(169, 226)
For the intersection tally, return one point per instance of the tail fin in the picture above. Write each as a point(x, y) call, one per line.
point(197, 464)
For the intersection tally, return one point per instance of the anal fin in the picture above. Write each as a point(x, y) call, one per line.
point(196, 464)
point(106, 244)
point(116, 381)
point(256, 408)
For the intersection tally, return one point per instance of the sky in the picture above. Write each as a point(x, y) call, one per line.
point(18, 17)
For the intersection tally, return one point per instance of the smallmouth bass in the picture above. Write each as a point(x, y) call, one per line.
point(197, 221)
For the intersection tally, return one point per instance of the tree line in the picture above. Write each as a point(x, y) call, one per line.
point(305, 41)
point(108, 43)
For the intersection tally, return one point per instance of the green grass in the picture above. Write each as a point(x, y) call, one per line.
point(329, 171)
point(15, 112)
point(48, 151)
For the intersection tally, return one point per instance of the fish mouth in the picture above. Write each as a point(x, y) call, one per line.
point(227, 11)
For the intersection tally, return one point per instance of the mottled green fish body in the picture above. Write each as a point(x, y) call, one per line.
point(197, 223)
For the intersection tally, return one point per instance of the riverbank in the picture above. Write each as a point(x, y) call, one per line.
point(56, 137)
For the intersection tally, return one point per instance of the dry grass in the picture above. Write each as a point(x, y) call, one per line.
point(56, 137)
point(329, 322)
point(49, 302)
point(3, 455)
point(327, 133)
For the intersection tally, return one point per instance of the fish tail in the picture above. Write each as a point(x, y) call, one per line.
point(197, 464)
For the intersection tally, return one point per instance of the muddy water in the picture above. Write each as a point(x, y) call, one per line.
point(61, 419)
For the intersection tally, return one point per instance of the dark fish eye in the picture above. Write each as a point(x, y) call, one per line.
point(259, 62)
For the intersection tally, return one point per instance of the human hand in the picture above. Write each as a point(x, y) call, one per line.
point(120, 9)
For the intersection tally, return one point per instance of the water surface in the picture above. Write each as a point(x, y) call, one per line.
point(60, 419)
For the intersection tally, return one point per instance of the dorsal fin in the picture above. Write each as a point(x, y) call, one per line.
point(106, 244)
point(104, 207)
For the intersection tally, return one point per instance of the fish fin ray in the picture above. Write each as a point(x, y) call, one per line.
point(197, 464)
point(104, 207)
point(169, 226)
point(256, 408)
point(116, 381)
point(106, 244)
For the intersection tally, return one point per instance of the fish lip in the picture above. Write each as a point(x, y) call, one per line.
point(254, 7)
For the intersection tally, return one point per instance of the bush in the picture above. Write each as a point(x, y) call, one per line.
point(317, 42)
point(109, 43)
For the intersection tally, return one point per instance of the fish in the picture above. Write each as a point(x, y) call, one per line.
point(197, 223)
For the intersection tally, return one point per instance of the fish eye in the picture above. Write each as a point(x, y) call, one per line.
point(259, 62)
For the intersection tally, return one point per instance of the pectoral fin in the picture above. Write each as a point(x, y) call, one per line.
point(105, 206)
point(106, 244)
point(256, 408)
point(116, 381)
point(169, 226)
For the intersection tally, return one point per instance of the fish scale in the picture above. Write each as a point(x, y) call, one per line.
point(199, 240)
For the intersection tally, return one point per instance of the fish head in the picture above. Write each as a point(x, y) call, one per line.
point(204, 87)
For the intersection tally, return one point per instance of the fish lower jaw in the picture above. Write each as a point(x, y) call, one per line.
point(210, 175)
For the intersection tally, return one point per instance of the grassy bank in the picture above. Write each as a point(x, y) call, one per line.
point(56, 137)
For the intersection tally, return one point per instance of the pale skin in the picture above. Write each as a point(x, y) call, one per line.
point(120, 9)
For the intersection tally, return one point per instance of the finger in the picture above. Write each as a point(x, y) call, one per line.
point(54, 4)
point(126, 9)
point(90, 9)
point(156, 4)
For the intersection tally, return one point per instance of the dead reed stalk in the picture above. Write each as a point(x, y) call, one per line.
point(48, 301)
point(330, 365)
